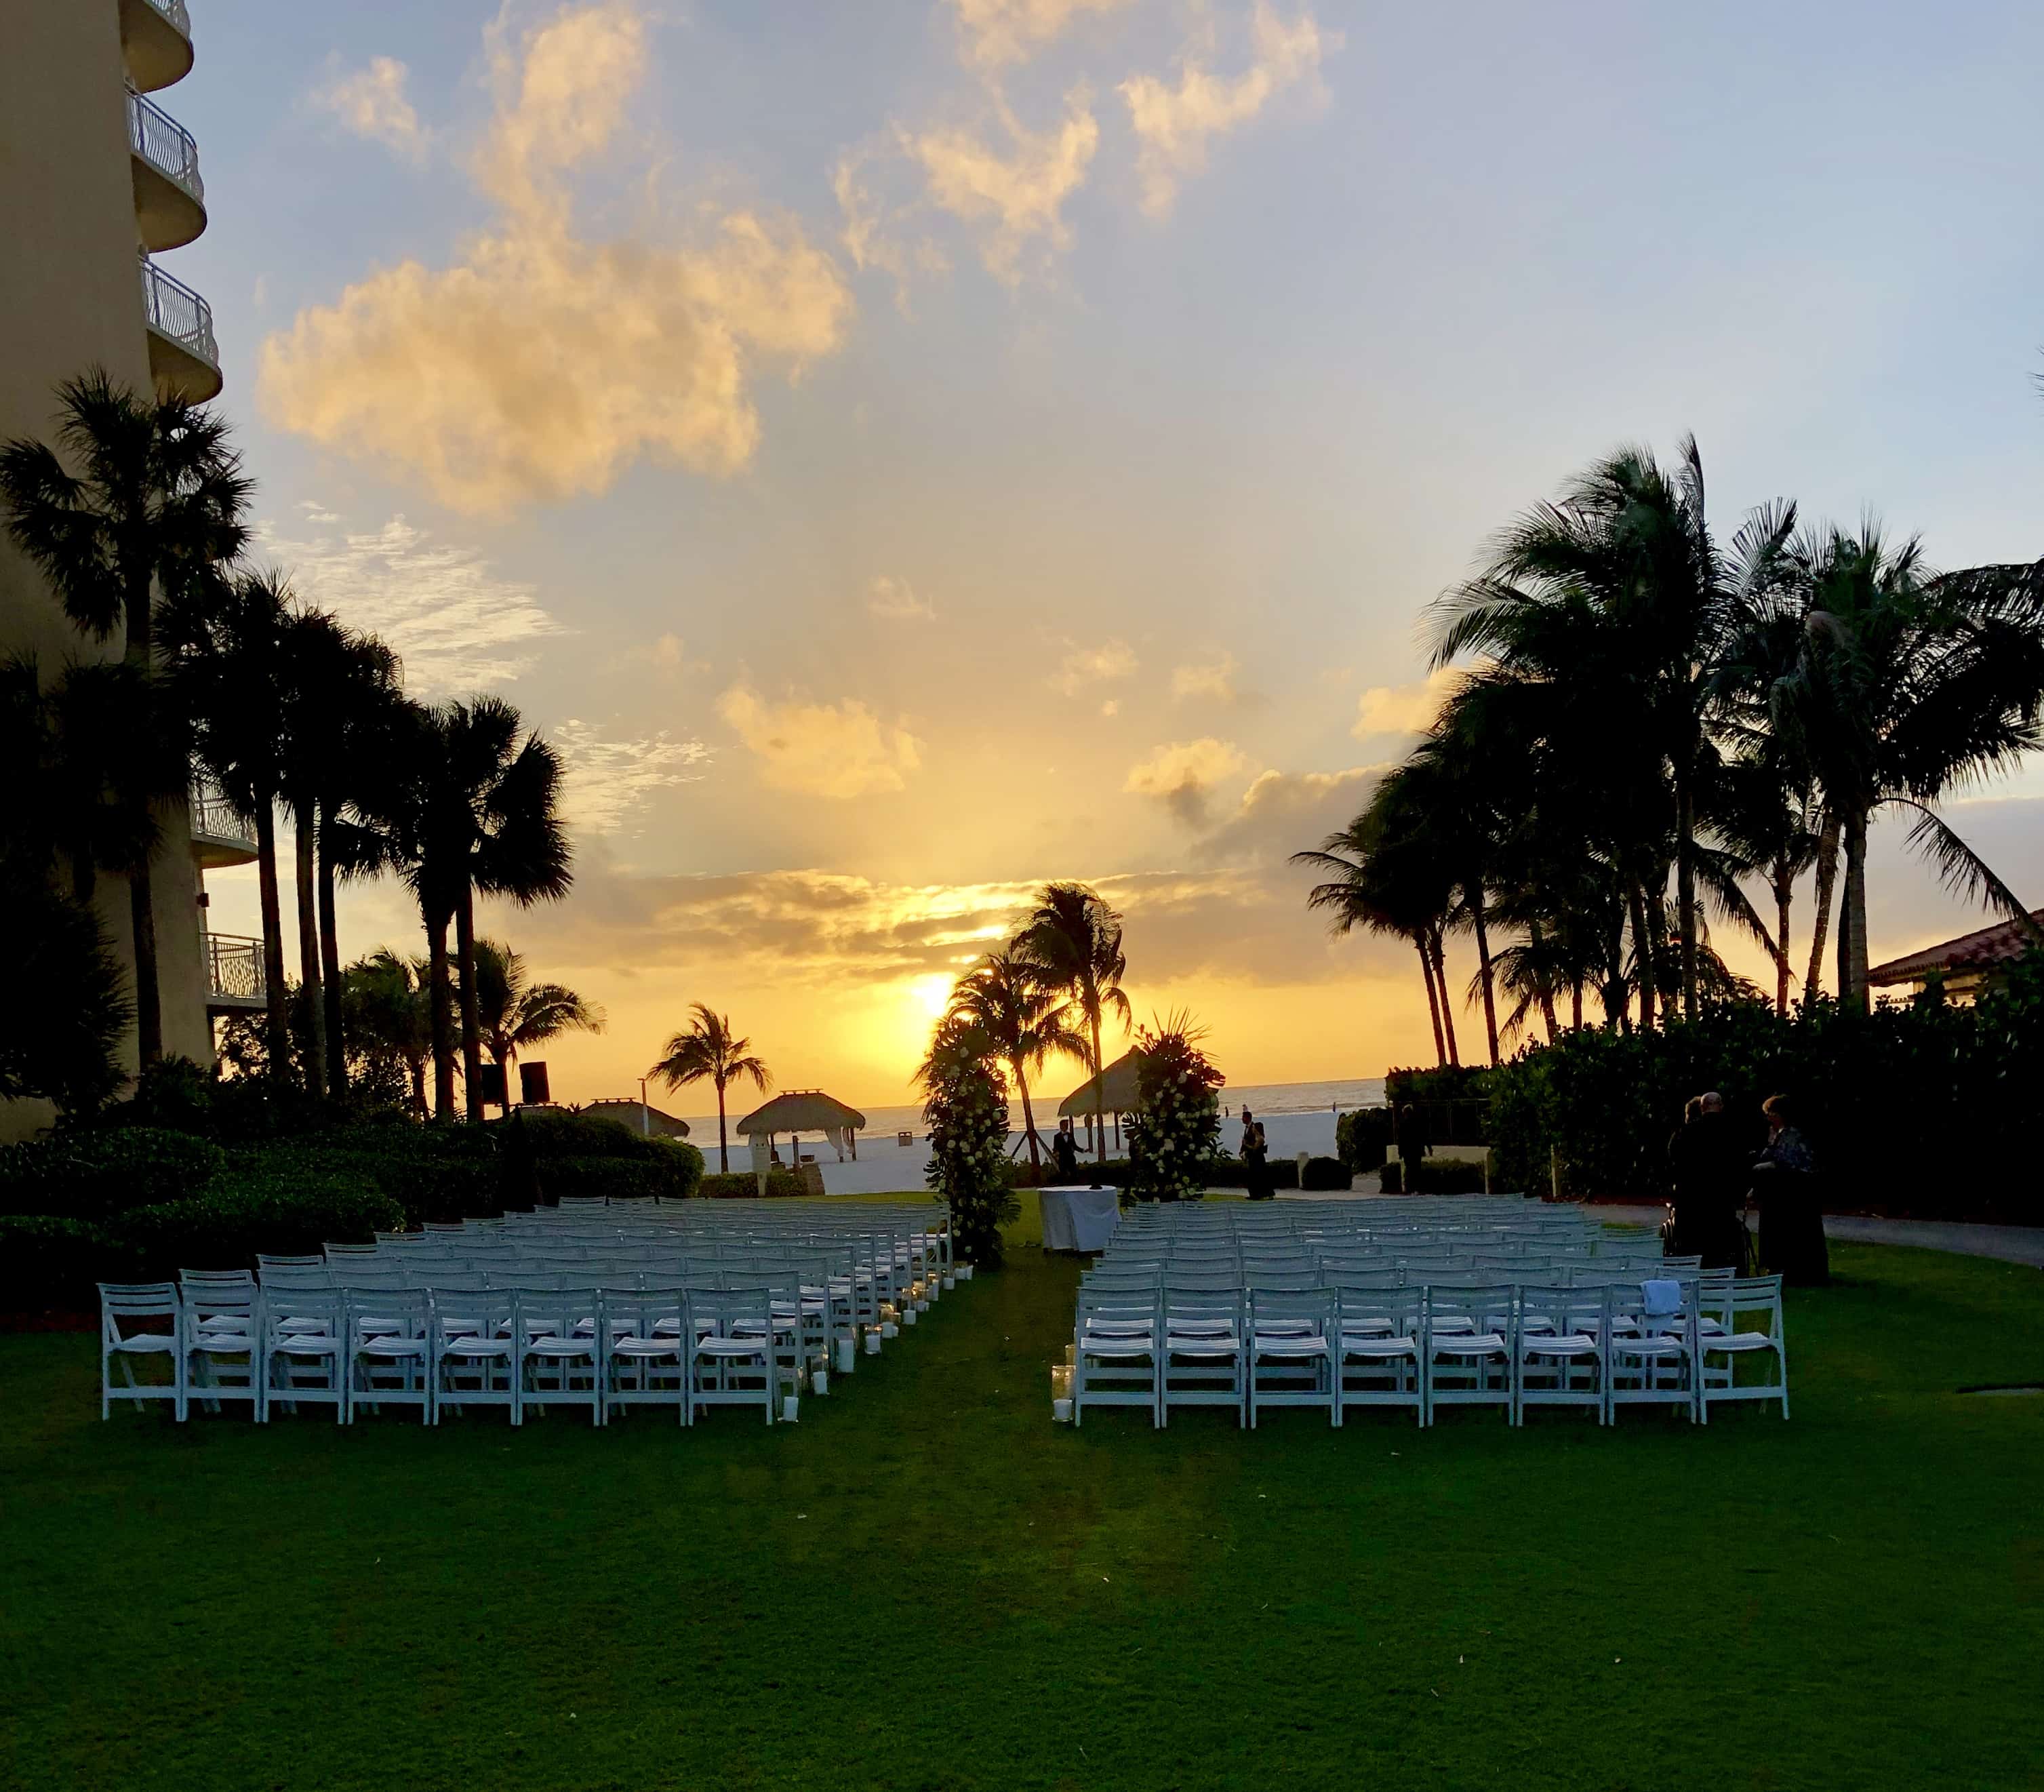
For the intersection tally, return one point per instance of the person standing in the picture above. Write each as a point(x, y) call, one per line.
point(1709, 1173)
point(1791, 1213)
point(1256, 1162)
point(1411, 1146)
point(1065, 1151)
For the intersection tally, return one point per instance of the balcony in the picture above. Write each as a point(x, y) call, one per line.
point(183, 356)
point(169, 197)
point(156, 39)
point(221, 838)
point(234, 980)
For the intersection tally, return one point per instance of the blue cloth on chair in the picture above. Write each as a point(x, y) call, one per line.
point(1663, 1295)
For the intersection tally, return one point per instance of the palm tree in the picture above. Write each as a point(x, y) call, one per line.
point(1004, 995)
point(1903, 686)
point(1619, 592)
point(229, 672)
point(1073, 943)
point(157, 500)
point(709, 1048)
point(516, 1012)
point(389, 1017)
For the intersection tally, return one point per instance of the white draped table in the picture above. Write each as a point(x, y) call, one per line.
point(1079, 1219)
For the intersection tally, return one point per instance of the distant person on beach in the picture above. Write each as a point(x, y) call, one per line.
point(1065, 1151)
point(1792, 1212)
point(1709, 1172)
point(1256, 1162)
point(1248, 1131)
point(1411, 1145)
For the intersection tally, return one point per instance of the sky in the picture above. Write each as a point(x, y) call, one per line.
point(900, 453)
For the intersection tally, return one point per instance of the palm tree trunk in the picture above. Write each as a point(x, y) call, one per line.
point(1483, 969)
point(336, 1045)
point(1827, 872)
point(1785, 894)
point(1029, 1120)
point(1447, 1006)
point(1642, 956)
point(471, 1015)
point(440, 999)
point(1099, 1124)
point(419, 1087)
point(1852, 916)
point(149, 997)
point(310, 984)
point(276, 1023)
point(1576, 1009)
point(1433, 1000)
point(508, 1058)
point(1686, 884)
point(723, 1142)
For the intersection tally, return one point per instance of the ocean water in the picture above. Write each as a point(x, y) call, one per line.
point(1296, 1117)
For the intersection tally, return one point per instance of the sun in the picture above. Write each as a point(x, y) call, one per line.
point(928, 997)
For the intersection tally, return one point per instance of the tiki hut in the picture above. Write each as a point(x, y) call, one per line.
point(1116, 1094)
point(795, 1111)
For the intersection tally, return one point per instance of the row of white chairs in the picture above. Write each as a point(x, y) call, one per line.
point(1672, 1341)
point(600, 1349)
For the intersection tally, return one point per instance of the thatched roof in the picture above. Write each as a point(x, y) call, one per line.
point(1117, 1089)
point(626, 1109)
point(802, 1110)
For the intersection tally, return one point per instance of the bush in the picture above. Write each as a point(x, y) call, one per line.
point(48, 1262)
point(1391, 1179)
point(1323, 1174)
point(278, 1209)
point(1362, 1139)
point(92, 1176)
point(743, 1186)
point(1447, 1175)
point(614, 1177)
point(554, 1133)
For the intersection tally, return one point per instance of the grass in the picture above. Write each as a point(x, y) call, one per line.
point(928, 1585)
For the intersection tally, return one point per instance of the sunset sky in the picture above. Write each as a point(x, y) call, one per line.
point(902, 451)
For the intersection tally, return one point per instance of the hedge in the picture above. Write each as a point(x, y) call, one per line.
point(1324, 1175)
point(743, 1185)
point(48, 1261)
point(1362, 1139)
point(92, 1175)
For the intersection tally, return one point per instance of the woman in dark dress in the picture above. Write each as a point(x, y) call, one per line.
point(1791, 1213)
point(1256, 1161)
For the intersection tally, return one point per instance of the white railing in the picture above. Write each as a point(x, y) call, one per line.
point(234, 967)
point(174, 11)
point(175, 311)
point(215, 817)
point(165, 144)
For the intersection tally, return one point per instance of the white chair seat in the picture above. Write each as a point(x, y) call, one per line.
point(1203, 1344)
point(1739, 1340)
point(1119, 1345)
point(474, 1344)
point(1474, 1343)
point(552, 1346)
point(146, 1344)
point(732, 1347)
point(1650, 1343)
point(305, 1343)
point(1374, 1343)
point(387, 1346)
point(1565, 1344)
point(646, 1346)
point(1289, 1344)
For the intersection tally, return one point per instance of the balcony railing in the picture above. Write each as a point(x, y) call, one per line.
point(165, 144)
point(175, 12)
point(214, 817)
point(175, 311)
point(234, 968)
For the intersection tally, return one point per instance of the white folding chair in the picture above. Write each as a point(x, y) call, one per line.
point(1653, 1345)
point(558, 1361)
point(1750, 1298)
point(1381, 1361)
point(1470, 1330)
point(731, 1359)
point(139, 1321)
point(647, 1360)
point(389, 1349)
point(303, 1344)
point(1292, 1340)
point(476, 1328)
point(222, 1312)
point(1204, 1350)
point(1117, 1338)
point(1562, 1357)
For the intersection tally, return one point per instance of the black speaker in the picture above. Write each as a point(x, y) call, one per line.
point(532, 1083)
point(490, 1083)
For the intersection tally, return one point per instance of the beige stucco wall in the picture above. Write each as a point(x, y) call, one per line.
point(71, 298)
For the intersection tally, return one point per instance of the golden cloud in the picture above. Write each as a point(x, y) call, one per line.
point(1174, 124)
point(1403, 708)
point(1110, 662)
point(1214, 681)
point(835, 750)
point(994, 32)
point(1182, 775)
point(542, 364)
point(372, 103)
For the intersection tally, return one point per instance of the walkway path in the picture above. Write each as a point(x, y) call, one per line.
point(2012, 1244)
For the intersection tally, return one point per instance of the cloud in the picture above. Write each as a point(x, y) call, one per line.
point(1182, 775)
point(994, 32)
point(835, 750)
point(1104, 664)
point(1214, 681)
point(455, 624)
point(372, 103)
point(1110, 709)
point(542, 364)
point(1174, 124)
point(1005, 183)
point(606, 781)
point(894, 600)
point(1403, 708)
point(1285, 812)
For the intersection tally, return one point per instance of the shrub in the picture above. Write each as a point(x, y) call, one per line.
point(1447, 1175)
point(554, 1133)
point(743, 1186)
point(91, 1175)
point(1391, 1179)
point(1326, 1173)
point(277, 1208)
point(1362, 1139)
point(48, 1262)
point(616, 1178)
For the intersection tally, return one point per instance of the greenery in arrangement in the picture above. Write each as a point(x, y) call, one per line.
point(1175, 1131)
point(1470, 1605)
point(966, 1108)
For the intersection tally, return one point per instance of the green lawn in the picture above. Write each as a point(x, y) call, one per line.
point(927, 1584)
